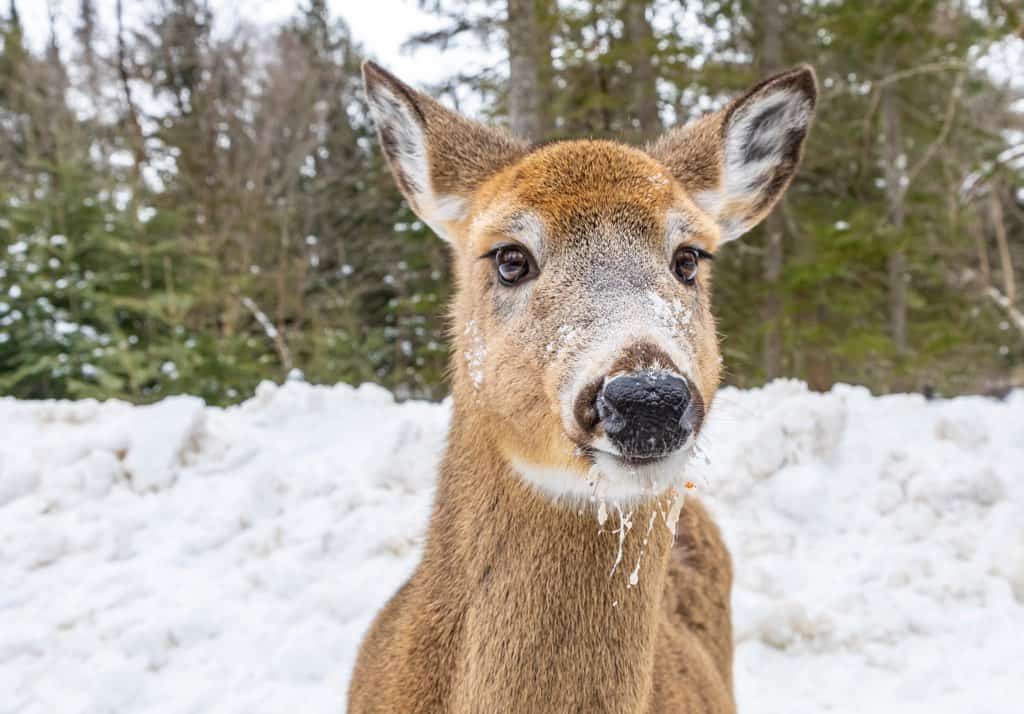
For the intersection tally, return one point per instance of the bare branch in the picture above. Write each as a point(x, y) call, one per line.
point(1015, 315)
point(940, 139)
point(931, 68)
point(270, 331)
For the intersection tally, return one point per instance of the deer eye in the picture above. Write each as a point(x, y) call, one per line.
point(513, 264)
point(685, 262)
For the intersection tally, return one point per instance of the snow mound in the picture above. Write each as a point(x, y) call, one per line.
point(179, 558)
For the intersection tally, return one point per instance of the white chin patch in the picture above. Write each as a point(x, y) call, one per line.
point(609, 480)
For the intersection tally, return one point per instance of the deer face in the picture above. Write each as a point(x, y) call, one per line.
point(584, 344)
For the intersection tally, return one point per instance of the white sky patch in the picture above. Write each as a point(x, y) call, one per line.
point(381, 27)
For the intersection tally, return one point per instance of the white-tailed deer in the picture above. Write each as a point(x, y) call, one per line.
point(584, 361)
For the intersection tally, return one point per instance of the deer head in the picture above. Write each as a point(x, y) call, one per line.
point(583, 335)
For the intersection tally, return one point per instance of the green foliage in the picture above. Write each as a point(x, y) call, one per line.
point(250, 227)
point(75, 318)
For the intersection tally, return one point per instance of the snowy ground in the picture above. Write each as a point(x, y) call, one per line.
point(175, 558)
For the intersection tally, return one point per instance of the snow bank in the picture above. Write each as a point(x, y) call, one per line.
point(178, 558)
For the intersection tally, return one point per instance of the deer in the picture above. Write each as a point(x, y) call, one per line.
point(563, 570)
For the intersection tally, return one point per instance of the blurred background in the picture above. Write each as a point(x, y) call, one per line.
point(191, 198)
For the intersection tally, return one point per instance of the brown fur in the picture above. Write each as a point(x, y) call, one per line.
point(604, 187)
point(513, 608)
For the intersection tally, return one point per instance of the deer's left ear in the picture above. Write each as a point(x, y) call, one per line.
point(737, 162)
point(438, 157)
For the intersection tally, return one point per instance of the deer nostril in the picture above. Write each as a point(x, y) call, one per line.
point(610, 417)
point(585, 407)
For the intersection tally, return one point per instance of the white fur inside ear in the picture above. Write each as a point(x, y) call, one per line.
point(449, 208)
point(404, 140)
point(762, 134)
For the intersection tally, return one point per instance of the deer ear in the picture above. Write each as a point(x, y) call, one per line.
point(438, 157)
point(737, 162)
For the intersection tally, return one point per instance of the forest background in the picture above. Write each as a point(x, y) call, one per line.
point(192, 201)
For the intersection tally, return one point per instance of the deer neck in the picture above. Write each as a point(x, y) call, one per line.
point(550, 603)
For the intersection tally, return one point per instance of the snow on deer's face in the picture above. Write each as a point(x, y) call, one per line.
point(584, 344)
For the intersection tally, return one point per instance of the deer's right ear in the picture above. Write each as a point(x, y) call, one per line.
point(438, 157)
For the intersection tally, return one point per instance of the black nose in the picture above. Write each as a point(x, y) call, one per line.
point(645, 413)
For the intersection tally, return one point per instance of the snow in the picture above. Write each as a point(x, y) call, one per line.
point(476, 355)
point(180, 558)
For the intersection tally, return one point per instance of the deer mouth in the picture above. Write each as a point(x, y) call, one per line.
point(592, 451)
point(644, 460)
point(602, 449)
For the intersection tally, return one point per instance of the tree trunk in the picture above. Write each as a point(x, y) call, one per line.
point(643, 78)
point(895, 179)
point(772, 308)
point(976, 229)
point(138, 138)
point(995, 212)
point(529, 54)
point(770, 26)
point(769, 53)
point(85, 33)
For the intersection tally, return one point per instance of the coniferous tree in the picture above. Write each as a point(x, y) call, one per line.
point(224, 216)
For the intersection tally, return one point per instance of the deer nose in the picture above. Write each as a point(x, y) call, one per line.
point(645, 413)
